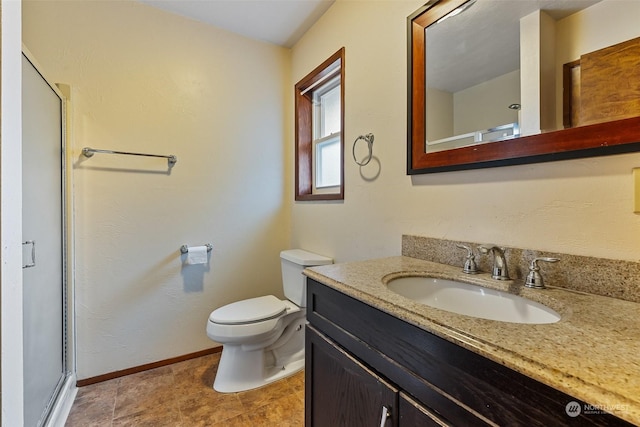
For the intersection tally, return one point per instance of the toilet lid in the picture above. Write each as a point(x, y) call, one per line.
point(249, 311)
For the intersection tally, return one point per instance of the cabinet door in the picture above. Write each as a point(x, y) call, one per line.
point(602, 74)
point(414, 414)
point(341, 391)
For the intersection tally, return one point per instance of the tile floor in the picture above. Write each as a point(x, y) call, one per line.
point(181, 395)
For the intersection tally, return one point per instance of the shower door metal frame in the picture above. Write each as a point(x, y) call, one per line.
point(57, 392)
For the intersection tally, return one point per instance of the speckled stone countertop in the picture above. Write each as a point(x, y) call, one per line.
point(592, 353)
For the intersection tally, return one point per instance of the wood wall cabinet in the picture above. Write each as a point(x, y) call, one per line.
point(360, 360)
point(603, 85)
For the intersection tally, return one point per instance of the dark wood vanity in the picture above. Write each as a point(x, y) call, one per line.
point(362, 363)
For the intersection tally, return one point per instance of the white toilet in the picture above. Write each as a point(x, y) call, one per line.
point(263, 338)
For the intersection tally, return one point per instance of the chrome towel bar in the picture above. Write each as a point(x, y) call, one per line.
point(89, 152)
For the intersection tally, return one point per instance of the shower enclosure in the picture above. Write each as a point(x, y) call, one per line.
point(43, 235)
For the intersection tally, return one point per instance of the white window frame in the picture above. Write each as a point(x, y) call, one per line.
point(320, 140)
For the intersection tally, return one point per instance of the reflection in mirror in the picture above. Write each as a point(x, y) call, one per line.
point(553, 124)
point(495, 69)
point(602, 85)
point(473, 76)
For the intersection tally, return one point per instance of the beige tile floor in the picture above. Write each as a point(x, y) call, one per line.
point(182, 395)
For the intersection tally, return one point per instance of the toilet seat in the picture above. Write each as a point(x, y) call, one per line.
point(249, 311)
point(254, 320)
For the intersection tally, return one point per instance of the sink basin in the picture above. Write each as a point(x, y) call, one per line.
point(472, 300)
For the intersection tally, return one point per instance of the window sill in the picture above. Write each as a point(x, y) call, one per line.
point(318, 197)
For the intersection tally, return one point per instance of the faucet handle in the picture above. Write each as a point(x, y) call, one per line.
point(470, 266)
point(534, 278)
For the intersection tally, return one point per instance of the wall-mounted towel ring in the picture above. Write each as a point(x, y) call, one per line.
point(369, 139)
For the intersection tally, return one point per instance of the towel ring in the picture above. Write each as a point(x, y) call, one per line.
point(369, 138)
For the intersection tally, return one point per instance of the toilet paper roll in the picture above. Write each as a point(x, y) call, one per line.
point(197, 255)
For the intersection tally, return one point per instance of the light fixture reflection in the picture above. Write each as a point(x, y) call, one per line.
point(457, 11)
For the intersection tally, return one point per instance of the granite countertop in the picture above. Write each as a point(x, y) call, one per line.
point(592, 353)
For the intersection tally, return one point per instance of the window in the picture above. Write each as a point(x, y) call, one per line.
point(319, 125)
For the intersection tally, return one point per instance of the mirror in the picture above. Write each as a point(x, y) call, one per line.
point(496, 83)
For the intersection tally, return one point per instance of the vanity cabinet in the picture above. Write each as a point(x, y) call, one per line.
point(360, 360)
point(345, 392)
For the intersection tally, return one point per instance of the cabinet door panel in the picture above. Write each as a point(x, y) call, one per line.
point(343, 392)
point(414, 414)
point(602, 74)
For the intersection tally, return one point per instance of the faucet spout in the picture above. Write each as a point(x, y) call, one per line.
point(499, 271)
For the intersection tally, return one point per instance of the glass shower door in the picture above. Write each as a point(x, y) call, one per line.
point(43, 247)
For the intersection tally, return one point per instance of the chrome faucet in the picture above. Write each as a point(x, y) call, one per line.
point(499, 271)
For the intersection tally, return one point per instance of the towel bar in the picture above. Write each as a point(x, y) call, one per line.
point(89, 152)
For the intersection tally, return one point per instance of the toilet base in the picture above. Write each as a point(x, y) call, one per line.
point(241, 369)
point(246, 370)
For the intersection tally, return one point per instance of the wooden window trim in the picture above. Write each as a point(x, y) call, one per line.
point(567, 93)
point(304, 130)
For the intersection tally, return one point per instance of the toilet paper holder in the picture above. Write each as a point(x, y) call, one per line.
point(185, 248)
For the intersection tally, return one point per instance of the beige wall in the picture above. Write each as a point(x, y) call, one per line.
point(439, 114)
point(145, 80)
point(458, 113)
point(472, 112)
point(537, 77)
point(581, 207)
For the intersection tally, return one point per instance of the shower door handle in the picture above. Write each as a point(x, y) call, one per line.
point(33, 253)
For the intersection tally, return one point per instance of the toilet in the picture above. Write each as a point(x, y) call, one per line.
point(263, 338)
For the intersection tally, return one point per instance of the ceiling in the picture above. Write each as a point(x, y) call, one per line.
point(281, 22)
point(490, 35)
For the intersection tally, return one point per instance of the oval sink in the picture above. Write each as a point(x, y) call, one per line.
point(472, 300)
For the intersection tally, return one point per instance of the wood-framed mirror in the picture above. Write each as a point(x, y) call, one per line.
point(539, 128)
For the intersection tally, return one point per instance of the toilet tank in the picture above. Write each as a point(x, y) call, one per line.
point(293, 281)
